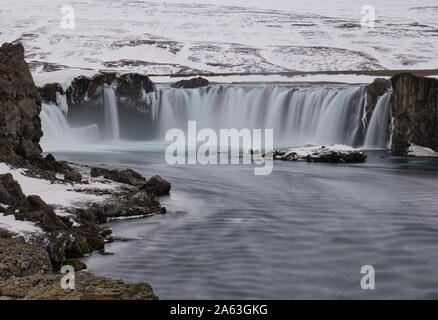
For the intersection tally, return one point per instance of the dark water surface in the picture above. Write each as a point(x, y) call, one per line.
point(302, 232)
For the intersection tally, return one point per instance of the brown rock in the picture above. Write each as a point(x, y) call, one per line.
point(415, 111)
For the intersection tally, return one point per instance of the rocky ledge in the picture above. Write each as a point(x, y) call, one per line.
point(320, 153)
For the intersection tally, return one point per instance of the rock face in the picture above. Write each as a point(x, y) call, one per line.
point(20, 105)
point(191, 83)
point(415, 110)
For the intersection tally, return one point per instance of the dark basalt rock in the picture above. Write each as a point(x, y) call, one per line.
point(73, 176)
point(191, 83)
point(130, 88)
point(20, 105)
point(157, 185)
point(415, 111)
point(127, 176)
point(49, 91)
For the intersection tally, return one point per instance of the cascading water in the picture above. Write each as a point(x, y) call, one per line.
point(378, 129)
point(112, 126)
point(297, 114)
point(58, 134)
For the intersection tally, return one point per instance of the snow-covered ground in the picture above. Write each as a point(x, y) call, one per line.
point(165, 38)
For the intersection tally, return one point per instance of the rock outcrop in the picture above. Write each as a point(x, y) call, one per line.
point(191, 83)
point(20, 105)
point(415, 111)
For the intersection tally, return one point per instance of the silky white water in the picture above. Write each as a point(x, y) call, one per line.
point(112, 125)
point(378, 129)
point(296, 114)
point(58, 135)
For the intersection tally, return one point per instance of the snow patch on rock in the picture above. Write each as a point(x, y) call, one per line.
point(419, 151)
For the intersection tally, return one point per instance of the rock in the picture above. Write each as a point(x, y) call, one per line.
point(10, 192)
point(321, 153)
point(415, 110)
point(19, 259)
point(157, 185)
point(20, 105)
point(49, 91)
point(132, 86)
point(75, 263)
point(87, 287)
point(127, 176)
point(191, 83)
point(73, 176)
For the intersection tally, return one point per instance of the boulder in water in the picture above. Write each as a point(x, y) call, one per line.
point(321, 153)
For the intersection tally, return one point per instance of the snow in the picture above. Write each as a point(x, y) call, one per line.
point(310, 148)
point(419, 151)
point(161, 38)
point(20, 228)
point(58, 194)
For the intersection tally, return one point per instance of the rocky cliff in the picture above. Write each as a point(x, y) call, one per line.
point(20, 105)
point(415, 111)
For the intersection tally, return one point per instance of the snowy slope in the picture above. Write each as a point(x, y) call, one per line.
point(165, 38)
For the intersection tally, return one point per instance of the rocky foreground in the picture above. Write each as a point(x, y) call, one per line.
point(53, 210)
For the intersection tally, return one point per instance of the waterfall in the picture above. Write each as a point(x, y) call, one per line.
point(297, 113)
point(320, 114)
point(57, 133)
point(378, 129)
point(112, 126)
